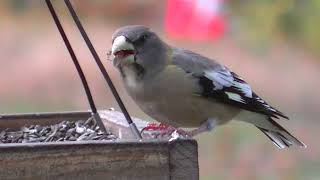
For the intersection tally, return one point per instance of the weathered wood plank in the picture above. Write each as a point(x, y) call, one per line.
point(100, 160)
point(123, 159)
point(184, 160)
point(16, 121)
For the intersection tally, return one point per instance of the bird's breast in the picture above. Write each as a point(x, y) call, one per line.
point(170, 98)
point(166, 96)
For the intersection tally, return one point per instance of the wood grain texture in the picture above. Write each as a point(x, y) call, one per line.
point(121, 159)
point(100, 160)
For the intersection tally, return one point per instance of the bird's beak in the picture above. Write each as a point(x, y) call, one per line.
point(122, 48)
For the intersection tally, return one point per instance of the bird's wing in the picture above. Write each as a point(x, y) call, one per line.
point(218, 82)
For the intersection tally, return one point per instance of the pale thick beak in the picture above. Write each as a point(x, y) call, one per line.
point(121, 44)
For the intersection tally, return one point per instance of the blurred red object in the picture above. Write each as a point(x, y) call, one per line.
point(194, 19)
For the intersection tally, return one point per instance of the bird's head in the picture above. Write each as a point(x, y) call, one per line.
point(139, 48)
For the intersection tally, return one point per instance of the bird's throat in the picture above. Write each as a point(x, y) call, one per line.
point(139, 70)
point(134, 70)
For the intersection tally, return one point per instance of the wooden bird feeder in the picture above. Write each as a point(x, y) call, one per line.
point(127, 157)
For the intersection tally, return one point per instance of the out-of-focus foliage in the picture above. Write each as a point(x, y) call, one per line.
point(37, 74)
point(256, 22)
point(265, 20)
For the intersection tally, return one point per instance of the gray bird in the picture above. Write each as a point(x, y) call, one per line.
point(185, 89)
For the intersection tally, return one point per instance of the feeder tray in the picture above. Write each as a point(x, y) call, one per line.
point(124, 156)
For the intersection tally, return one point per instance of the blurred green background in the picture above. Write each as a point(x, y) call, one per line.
point(274, 45)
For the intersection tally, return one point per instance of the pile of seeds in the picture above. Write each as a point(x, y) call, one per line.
point(65, 131)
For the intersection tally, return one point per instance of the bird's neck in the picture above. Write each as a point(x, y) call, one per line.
point(132, 74)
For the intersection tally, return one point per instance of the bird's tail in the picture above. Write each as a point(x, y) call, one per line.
point(279, 136)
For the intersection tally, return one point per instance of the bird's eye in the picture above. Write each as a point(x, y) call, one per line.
point(144, 37)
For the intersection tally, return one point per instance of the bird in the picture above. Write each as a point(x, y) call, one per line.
point(184, 89)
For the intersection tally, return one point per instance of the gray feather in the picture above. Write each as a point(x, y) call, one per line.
point(193, 62)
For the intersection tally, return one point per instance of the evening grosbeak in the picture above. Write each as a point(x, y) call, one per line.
point(184, 89)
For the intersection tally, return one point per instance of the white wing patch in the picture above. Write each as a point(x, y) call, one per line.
point(244, 87)
point(265, 104)
point(224, 78)
point(235, 97)
point(220, 79)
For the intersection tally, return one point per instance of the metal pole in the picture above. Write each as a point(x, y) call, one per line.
point(132, 125)
point(78, 67)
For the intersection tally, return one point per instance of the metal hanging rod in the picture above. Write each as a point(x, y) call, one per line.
point(103, 70)
point(106, 76)
point(78, 67)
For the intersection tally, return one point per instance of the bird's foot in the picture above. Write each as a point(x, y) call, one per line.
point(164, 131)
point(207, 126)
point(155, 127)
point(179, 134)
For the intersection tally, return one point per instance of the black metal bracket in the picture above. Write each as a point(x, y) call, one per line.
point(99, 63)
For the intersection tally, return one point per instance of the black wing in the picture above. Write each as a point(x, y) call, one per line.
point(229, 88)
point(221, 84)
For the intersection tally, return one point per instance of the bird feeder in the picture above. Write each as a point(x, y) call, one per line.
point(92, 144)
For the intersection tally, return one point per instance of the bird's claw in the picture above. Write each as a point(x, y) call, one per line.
point(155, 127)
point(174, 136)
